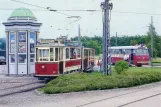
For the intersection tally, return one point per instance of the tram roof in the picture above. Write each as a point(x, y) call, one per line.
point(50, 45)
point(127, 47)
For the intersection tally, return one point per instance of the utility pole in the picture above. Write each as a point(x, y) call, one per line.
point(151, 30)
point(116, 38)
point(106, 6)
point(79, 34)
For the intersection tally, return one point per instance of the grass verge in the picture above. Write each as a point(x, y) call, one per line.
point(95, 81)
point(157, 60)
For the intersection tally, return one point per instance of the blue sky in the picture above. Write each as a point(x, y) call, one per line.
point(91, 22)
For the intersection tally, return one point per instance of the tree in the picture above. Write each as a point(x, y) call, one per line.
point(152, 34)
point(133, 42)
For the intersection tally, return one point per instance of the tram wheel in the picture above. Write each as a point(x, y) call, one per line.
point(40, 78)
point(139, 65)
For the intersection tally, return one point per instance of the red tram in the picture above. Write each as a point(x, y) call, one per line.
point(134, 55)
point(53, 61)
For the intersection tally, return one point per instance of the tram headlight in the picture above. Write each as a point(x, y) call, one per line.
point(43, 67)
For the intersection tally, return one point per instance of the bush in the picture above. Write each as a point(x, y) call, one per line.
point(121, 66)
point(96, 81)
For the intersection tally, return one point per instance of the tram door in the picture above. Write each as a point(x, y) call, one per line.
point(61, 61)
point(85, 58)
point(132, 56)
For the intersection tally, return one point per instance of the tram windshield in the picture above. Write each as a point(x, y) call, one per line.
point(48, 54)
point(44, 54)
point(141, 52)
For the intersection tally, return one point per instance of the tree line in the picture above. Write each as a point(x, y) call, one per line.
point(96, 41)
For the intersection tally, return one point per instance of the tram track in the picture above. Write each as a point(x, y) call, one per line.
point(121, 95)
point(145, 98)
point(21, 91)
point(20, 87)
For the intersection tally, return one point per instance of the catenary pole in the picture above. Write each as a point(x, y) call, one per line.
point(106, 6)
point(151, 30)
point(116, 38)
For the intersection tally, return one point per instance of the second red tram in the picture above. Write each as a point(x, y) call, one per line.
point(53, 61)
point(134, 55)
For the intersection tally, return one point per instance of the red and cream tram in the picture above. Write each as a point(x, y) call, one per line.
point(53, 60)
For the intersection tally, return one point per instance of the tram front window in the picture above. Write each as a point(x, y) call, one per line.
point(44, 54)
point(141, 52)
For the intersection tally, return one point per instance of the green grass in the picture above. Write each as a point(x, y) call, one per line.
point(156, 60)
point(96, 81)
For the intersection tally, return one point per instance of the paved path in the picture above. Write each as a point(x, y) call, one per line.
point(142, 97)
point(148, 94)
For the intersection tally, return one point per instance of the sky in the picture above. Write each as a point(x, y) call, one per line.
point(90, 22)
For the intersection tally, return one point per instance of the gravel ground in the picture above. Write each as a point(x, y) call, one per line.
point(2, 69)
point(11, 86)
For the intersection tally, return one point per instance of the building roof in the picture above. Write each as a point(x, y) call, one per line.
point(22, 12)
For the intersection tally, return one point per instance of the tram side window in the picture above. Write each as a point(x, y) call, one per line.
point(51, 54)
point(37, 54)
point(78, 53)
point(123, 51)
point(116, 51)
point(109, 50)
point(61, 53)
point(145, 51)
point(128, 51)
point(44, 54)
point(85, 53)
point(67, 53)
point(56, 54)
point(112, 51)
point(72, 53)
point(90, 53)
point(93, 53)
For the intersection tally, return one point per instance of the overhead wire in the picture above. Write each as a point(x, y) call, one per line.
point(46, 8)
point(122, 12)
point(81, 10)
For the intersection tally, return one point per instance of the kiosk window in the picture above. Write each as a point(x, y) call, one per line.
point(22, 58)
